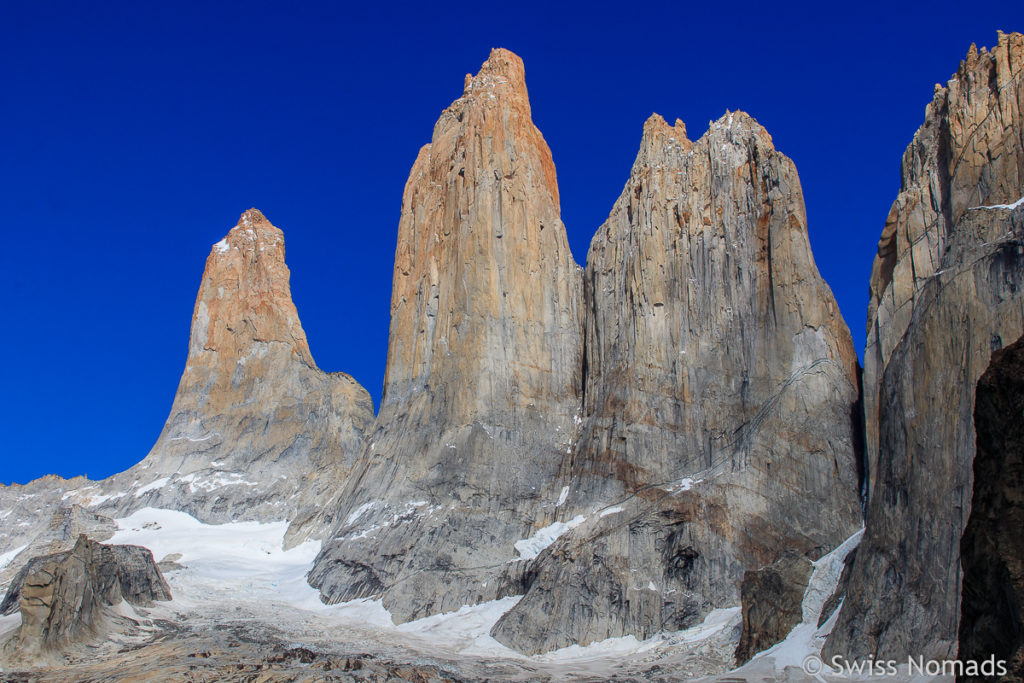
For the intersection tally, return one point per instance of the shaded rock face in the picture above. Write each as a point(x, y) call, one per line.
point(946, 290)
point(992, 549)
point(484, 367)
point(256, 430)
point(719, 425)
point(772, 599)
point(62, 596)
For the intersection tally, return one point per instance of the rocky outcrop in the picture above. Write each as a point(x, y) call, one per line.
point(61, 533)
point(62, 596)
point(484, 366)
point(992, 549)
point(720, 415)
point(772, 599)
point(27, 512)
point(256, 431)
point(946, 290)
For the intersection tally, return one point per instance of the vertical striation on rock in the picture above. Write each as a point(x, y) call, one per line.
point(772, 600)
point(62, 596)
point(992, 548)
point(946, 290)
point(484, 362)
point(719, 423)
point(256, 430)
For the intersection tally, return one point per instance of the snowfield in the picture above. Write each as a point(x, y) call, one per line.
point(241, 569)
point(239, 573)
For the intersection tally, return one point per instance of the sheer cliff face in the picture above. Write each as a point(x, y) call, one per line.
point(992, 547)
point(721, 383)
point(946, 290)
point(968, 153)
point(256, 431)
point(484, 366)
point(485, 301)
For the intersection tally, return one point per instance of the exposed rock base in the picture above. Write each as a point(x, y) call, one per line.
point(62, 596)
point(772, 603)
point(992, 548)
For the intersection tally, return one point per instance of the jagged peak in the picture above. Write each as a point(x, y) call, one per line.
point(502, 77)
point(252, 217)
point(253, 232)
point(656, 125)
point(244, 294)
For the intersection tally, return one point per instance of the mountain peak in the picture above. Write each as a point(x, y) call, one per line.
point(252, 217)
point(502, 76)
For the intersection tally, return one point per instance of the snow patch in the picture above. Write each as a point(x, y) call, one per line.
point(8, 557)
point(531, 547)
point(1019, 202)
point(216, 481)
point(222, 246)
point(562, 496)
point(610, 511)
point(807, 638)
point(359, 512)
point(152, 486)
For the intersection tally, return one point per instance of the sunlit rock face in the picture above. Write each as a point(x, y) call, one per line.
point(946, 290)
point(484, 367)
point(256, 430)
point(720, 424)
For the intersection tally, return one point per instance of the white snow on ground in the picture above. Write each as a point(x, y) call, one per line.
point(241, 568)
point(715, 621)
point(807, 638)
point(6, 558)
point(531, 547)
point(97, 499)
point(1019, 202)
point(610, 511)
point(222, 246)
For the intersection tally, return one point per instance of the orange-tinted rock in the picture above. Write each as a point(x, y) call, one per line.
point(484, 366)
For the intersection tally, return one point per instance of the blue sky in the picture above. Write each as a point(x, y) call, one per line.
point(132, 135)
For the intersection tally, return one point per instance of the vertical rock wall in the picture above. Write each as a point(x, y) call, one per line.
point(484, 367)
point(947, 289)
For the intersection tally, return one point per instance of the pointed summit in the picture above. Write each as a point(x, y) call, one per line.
point(245, 298)
point(502, 74)
point(256, 430)
point(484, 366)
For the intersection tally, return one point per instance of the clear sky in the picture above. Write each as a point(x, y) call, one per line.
point(132, 135)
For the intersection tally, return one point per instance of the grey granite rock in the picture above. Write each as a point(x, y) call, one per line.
point(62, 596)
point(720, 414)
point(61, 533)
point(947, 289)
